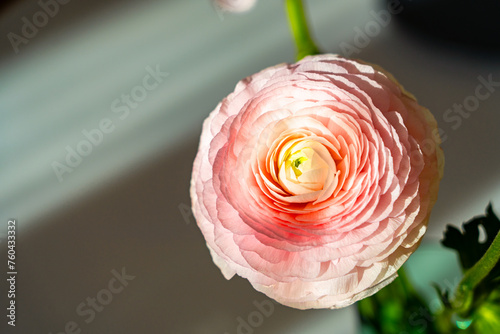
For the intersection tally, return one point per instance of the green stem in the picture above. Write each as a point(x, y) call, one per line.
point(443, 322)
point(405, 282)
point(475, 275)
point(298, 25)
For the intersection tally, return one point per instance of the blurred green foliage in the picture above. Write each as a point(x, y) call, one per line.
point(473, 308)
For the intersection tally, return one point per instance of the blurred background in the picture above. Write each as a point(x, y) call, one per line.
point(101, 106)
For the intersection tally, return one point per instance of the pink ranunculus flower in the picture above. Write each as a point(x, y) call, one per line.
point(315, 180)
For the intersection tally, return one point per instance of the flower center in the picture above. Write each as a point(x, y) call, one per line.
point(304, 166)
point(295, 161)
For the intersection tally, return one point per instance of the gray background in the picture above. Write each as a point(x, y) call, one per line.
point(126, 204)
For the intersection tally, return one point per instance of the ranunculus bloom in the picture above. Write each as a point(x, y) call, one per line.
point(315, 180)
point(235, 6)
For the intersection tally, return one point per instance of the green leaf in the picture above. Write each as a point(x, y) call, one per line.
point(475, 305)
point(442, 294)
point(467, 243)
point(396, 309)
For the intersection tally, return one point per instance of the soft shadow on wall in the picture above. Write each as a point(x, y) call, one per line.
point(28, 22)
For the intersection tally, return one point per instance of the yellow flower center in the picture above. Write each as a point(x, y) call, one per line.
point(296, 160)
point(302, 167)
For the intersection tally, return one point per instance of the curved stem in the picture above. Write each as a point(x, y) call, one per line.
point(405, 282)
point(476, 274)
point(300, 31)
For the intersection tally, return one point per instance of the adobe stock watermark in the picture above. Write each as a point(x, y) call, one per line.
point(11, 271)
point(363, 36)
point(122, 107)
point(218, 10)
point(31, 26)
point(420, 319)
point(455, 115)
point(186, 213)
point(256, 318)
point(460, 111)
point(89, 308)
